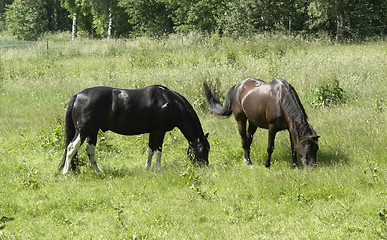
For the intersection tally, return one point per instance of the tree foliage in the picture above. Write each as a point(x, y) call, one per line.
point(24, 19)
point(340, 18)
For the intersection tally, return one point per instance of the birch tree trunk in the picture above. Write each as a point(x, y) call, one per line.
point(110, 28)
point(340, 27)
point(74, 27)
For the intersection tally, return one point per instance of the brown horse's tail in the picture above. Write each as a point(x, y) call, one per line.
point(69, 131)
point(215, 105)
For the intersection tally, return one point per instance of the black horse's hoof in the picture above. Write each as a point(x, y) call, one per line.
point(295, 166)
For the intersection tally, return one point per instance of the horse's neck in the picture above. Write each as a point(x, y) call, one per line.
point(190, 132)
point(300, 129)
point(190, 126)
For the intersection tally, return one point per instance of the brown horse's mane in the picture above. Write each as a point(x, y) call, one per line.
point(294, 110)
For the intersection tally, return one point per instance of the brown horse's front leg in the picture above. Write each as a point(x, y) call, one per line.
point(270, 145)
point(294, 154)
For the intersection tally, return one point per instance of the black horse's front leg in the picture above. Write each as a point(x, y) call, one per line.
point(156, 139)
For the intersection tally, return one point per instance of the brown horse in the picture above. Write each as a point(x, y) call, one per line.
point(274, 106)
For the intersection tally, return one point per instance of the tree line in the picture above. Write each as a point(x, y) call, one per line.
point(341, 19)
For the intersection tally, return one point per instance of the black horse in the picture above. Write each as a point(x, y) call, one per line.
point(274, 106)
point(153, 109)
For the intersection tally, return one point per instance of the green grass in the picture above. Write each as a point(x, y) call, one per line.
point(345, 197)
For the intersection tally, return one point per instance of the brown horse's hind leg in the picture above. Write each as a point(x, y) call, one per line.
point(270, 145)
point(249, 137)
point(246, 141)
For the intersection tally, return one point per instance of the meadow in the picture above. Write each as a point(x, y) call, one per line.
point(344, 197)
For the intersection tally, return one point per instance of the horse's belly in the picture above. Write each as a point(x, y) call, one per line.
point(259, 123)
point(139, 126)
point(262, 110)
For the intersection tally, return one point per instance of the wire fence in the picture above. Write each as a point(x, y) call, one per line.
point(46, 45)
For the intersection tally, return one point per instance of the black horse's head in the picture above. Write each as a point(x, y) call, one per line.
point(198, 150)
point(307, 150)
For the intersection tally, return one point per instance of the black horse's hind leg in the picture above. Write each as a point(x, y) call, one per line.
point(91, 143)
point(72, 150)
point(156, 139)
point(270, 145)
point(294, 154)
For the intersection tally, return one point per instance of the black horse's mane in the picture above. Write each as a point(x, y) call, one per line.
point(189, 109)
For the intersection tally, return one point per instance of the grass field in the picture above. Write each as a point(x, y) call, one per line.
point(344, 197)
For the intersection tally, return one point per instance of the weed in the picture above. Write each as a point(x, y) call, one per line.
point(199, 103)
point(231, 57)
point(193, 181)
point(5, 219)
point(328, 94)
point(120, 218)
point(54, 138)
point(60, 218)
point(383, 214)
point(380, 104)
point(29, 178)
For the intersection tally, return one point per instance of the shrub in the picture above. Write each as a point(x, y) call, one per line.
point(328, 94)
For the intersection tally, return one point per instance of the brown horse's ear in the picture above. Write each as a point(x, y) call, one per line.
point(316, 138)
point(206, 135)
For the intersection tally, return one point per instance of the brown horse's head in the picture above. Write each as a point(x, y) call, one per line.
point(307, 150)
point(198, 150)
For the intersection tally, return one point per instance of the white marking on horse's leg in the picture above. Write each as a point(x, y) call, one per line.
point(149, 161)
point(90, 149)
point(158, 159)
point(72, 148)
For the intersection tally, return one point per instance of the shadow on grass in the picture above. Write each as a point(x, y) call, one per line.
point(116, 173)
point(332, 157)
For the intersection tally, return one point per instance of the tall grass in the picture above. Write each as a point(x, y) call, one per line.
point(343, 198)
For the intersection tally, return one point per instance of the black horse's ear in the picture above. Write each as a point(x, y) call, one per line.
point(206, 135)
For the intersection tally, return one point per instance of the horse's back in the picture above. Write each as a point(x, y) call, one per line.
point(262, 103)
point(128, 111)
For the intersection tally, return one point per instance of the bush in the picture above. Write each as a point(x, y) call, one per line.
point(328, 94)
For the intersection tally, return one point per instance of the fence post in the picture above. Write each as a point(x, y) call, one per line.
point(47, 55)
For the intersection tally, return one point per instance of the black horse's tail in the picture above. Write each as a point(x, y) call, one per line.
point(69, 131)
point(215, 105)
